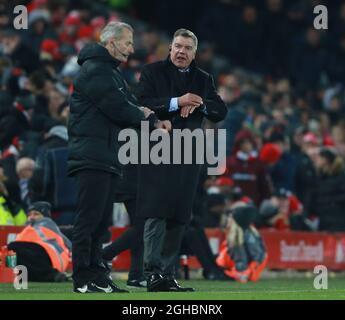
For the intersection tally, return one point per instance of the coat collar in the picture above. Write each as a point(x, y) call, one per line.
point(173, 73)
point(95, 51)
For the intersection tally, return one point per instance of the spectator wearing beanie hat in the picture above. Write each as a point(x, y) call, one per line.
point(46, 261)
point(38, 210)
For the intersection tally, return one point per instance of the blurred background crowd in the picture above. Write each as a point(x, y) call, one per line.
point(283, 82)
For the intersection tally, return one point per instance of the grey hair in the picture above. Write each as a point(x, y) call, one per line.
point(187, 34)
point(113, 30)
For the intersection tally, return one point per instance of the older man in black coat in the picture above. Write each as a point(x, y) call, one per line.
point(101, 105)
point(177, 90)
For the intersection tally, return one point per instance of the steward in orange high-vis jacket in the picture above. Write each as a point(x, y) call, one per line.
point(243, 254)
point(41, 246)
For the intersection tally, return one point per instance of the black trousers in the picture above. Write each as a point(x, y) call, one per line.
point(195, 242)
point(162, 242)
point(131, 239)
point(96, 191)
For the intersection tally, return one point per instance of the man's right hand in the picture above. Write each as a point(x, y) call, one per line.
point(189, 99)
point(146, 111)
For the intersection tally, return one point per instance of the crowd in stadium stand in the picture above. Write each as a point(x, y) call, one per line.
point(283, 82)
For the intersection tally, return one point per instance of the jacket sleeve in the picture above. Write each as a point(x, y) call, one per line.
point(50, 224)
point(147, 95)
point(216, 109)
point(110, 98)
point(254, 246)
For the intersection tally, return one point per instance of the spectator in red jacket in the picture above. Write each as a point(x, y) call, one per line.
point(246, 169)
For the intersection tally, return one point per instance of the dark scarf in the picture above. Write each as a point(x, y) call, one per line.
point(182, 80)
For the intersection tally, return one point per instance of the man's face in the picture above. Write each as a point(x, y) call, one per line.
point(182, 52)
point(284, 205)
point(313, 37)
point(10, 44)
point(246, 146)
point(25, 168)
point(35, 215)
point(320, 162)
point(123, 47)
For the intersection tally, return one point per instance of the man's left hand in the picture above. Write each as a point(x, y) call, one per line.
point(186, 111)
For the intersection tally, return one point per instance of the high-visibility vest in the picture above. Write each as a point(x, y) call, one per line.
point(52, 243)
point(8, 218)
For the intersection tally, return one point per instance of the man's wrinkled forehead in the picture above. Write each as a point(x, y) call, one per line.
point(126, 34)
point(184, 41)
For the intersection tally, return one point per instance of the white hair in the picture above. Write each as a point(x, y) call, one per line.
point(113, 30)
